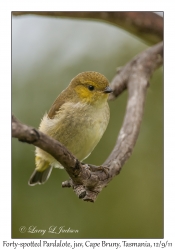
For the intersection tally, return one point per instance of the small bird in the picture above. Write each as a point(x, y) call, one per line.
point(78, 118)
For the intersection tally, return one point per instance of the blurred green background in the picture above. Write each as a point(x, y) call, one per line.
point(46, 54)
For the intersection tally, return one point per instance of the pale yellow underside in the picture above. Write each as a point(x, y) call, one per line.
point(78, 133)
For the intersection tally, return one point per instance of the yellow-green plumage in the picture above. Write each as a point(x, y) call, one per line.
point(78, 119)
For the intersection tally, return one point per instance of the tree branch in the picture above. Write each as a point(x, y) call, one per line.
point(145, 25)
point(87, 180)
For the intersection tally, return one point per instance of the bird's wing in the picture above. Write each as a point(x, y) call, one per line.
point(61, 99)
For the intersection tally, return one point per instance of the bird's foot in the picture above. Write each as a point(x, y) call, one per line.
point(94, 168)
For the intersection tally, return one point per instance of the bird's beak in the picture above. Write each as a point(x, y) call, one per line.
point(108, 90)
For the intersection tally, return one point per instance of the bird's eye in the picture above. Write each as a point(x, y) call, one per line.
point(91, 88)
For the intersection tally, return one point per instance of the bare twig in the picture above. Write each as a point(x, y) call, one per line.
point(145, 25)
point(86, 180)
point(135, 77)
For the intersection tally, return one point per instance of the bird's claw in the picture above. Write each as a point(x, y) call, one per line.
point(94, 168)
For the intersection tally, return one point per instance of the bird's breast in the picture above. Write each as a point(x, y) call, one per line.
point(79, 127)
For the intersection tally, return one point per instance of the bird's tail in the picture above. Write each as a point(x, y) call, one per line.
point(39, 177)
